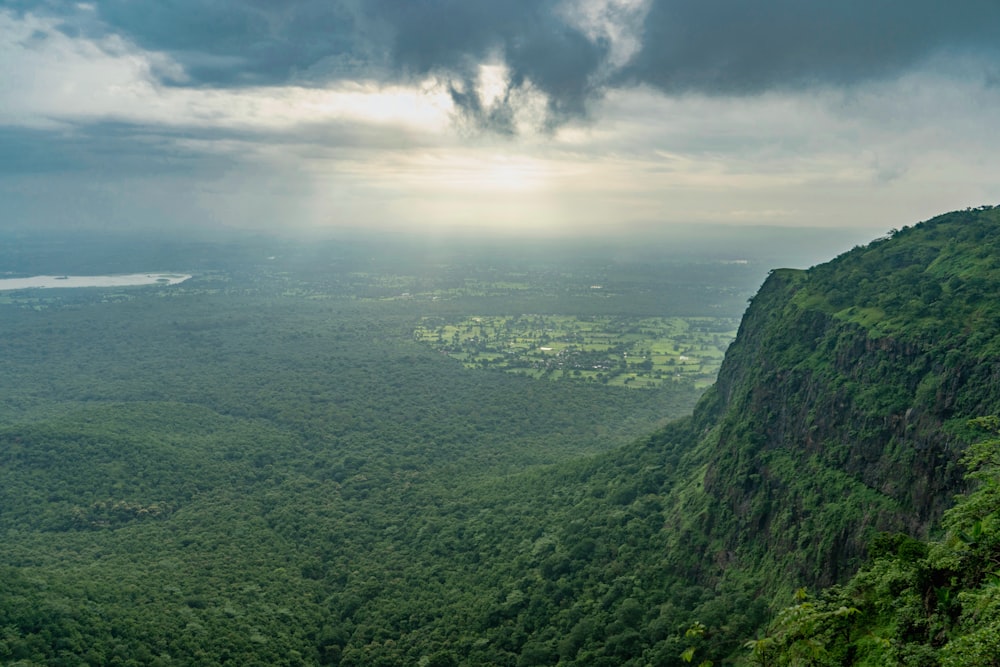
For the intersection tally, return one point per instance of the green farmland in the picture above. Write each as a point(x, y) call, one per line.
point(622, 351)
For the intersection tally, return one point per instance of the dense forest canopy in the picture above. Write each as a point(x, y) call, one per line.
point(264, 465)
point(275, 463)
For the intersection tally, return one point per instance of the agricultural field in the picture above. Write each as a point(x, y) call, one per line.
point(637, 352)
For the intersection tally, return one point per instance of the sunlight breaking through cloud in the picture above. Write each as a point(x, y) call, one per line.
point(538, 111)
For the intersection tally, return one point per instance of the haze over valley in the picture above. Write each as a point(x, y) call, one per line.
point(583, 333)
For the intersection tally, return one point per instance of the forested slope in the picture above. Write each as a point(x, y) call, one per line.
point(842, 406)
point(916, 602)
point(839, 415)
point(289, 478)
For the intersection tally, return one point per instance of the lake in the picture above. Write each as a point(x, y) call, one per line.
point(124, 280)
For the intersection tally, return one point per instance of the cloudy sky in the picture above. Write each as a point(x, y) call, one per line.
point(521, 116)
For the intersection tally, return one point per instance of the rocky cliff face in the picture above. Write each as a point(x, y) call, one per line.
point(840, 409)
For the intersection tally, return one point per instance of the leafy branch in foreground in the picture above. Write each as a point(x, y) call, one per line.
point(694, 633)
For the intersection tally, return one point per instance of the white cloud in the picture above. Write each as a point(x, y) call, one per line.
point(878, 155)
point(616, 22)
point(51, 79)
point(494, 81)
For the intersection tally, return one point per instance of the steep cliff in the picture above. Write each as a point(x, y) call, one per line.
point(841, 407)
point(838, 421)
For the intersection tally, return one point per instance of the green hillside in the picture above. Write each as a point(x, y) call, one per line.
point(848, 392)
point(270, 468)
point(916, 602)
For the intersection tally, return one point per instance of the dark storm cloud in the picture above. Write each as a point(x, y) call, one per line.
point(240, 42)
point(456, 35)
point(738, 46)
point(715, 46)
point(261, 42)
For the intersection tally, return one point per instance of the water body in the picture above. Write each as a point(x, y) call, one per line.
point(124, 280)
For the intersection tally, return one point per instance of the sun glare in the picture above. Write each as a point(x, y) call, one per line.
point(450, 172)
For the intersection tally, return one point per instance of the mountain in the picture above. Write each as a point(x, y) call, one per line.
point(260, 470)
point(841, 408)
point(838, 420)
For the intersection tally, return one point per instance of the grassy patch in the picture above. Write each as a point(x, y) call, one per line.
point(639, 352)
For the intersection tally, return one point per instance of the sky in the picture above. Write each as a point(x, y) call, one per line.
point(521, 117)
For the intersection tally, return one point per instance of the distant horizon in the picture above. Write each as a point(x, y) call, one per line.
point(636, 234)
point(765, 246)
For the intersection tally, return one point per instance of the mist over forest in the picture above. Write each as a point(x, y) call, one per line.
point(245, 465)
point(581, 333)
